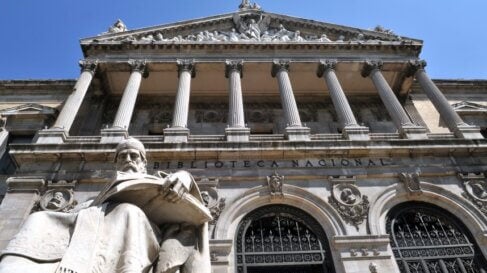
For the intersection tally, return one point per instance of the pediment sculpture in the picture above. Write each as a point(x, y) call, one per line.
point(138, 223)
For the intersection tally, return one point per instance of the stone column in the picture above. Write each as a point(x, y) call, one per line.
point(294, 130)
point(58, 133)
point(394, 108)
point(120, 126)
point(348, 123)
point(22, 194)
point(236, 130)
point(127, 104)
point(447, 113)
point(178, 132)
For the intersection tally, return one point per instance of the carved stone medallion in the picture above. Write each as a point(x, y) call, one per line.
point(475, 187)
point(60, 199)
point(352, 206)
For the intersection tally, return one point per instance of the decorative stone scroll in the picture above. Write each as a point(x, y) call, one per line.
point(212, 200)
point(347, 199)
point(475, 189)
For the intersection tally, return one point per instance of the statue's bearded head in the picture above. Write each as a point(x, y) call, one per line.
point(130, 156)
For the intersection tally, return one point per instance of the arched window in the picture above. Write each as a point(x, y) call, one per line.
point(428, 239)
point(282, 239)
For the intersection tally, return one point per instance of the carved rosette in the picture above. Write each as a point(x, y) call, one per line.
point(352, 206)
point(275, 182)
point(411, 182)
point(475, 190)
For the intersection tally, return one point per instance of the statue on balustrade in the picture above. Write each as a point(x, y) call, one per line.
point(139, 223)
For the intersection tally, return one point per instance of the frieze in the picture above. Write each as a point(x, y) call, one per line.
point(299, 163)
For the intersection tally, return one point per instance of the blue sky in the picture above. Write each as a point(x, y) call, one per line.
point(41, 37)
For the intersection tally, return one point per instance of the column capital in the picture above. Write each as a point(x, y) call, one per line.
point(414, 66)
point(279, 65)
point(88, 65)
point(325, 65)
point(369, 66)
point(233, 65)
point(186, 65)
point(139, 66)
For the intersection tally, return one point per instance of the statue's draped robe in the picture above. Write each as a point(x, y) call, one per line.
point(103, 238)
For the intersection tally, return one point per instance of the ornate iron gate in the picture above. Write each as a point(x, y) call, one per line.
point(430, 240)
point(282, 239)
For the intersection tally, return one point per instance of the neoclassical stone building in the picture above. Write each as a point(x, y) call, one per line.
point(319, 147)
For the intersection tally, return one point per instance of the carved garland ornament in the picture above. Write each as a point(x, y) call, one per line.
point(352, 206)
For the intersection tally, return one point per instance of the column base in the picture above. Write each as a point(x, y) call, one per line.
point(356, 132)
point(468, 132)
point(113, 135)
point(413, 132)
point(51, 136)
point(237, 134)
point(297, 133)
point(176, 135)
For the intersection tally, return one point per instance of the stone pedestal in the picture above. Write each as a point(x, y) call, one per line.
point(22, 194)
point(113, 135)
point(219, 252)
point(413, 132)
point(237, 134)
point(468, 132)
point(297, 133)
point(51, 136)
point(356, 132)
point(176, 135)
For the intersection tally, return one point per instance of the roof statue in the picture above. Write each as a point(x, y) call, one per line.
point(117, 27)
point(246, 5)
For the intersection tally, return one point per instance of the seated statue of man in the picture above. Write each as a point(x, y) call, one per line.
point(107, 236)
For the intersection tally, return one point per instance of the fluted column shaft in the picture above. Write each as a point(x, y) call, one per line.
point(127, 104)
point(392, 104)
point(236, 108)
point(73, 103)
point(340, 101)
point(448, 114)
point(181, 107)
point(280, 71)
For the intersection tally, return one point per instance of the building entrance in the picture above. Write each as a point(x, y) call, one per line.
point(281, 239)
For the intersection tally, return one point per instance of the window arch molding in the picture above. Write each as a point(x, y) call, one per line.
point(257, 197)
point(392, 196)
point(323, 213)
point(262, 241)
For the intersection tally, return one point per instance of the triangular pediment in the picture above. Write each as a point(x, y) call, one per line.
point(28, 109)
point(247, 26)
point(466, 106)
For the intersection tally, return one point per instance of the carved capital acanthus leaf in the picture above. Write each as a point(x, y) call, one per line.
point(88, 65)
point(325, 65)
point(186, 65)
point(233, 65)
point(414, 66)
point(371, 65)
point(139, 66)
point(279, 65)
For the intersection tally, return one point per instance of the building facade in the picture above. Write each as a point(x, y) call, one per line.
point(319, 147)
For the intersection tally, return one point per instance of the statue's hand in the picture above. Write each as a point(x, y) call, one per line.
point(175, 189)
